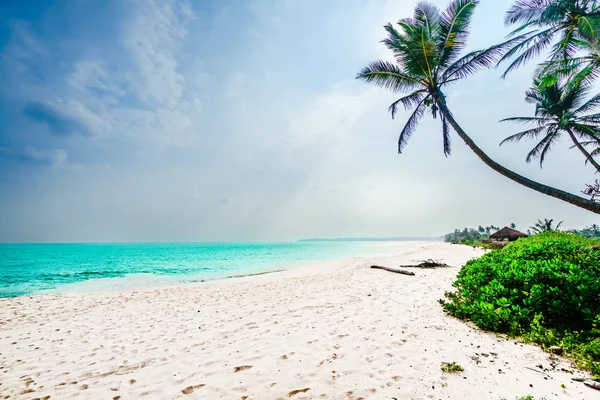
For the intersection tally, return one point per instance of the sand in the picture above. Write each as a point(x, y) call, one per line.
point(337, 330)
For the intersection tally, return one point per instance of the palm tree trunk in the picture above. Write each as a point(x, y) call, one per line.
point(539, 187)
point(587, 155)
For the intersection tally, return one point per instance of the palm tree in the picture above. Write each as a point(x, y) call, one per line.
point(560, 109)
point(572, 25)
point(545, 225)
point(427, 49)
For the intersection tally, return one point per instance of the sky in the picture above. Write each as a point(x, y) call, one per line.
point(242, 120)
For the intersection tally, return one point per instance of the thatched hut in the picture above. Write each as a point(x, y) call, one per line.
point(507, 233)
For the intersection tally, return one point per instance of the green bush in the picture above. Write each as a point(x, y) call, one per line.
point(545, 288)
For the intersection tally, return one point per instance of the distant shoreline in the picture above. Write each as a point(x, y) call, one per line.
point(370, 239)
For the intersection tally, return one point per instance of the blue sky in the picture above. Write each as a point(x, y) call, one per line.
point(241, 120)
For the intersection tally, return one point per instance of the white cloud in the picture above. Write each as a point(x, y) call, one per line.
point(31, 155)
point(258, 138)
point(152, 38)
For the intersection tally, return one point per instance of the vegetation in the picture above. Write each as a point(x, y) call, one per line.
point(592, 232)
point(568, 26)
point(559, 109)
point(545, 289)
point(470, 235)
point(451, 367)
point(522, 398)
point(427, 49)
point(545, 226)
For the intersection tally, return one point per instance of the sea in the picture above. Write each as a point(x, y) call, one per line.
point(32, 269)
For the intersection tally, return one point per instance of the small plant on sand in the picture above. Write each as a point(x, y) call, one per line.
point(451, 367)
point(525, 398)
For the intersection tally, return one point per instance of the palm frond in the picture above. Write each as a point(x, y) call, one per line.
point(564, 49)
point(408, 102)
point(529, 134)
point(427, 16)
point(558, 225)
point(477, 60)
point(588, 27)
point(454, 29)
point(587, 132)
point(562, 68)
point(524, 119)
point(524, 11)
point(388, 76)
point(411, 125)
point(589, 105)
point(446, 135)
point(533, 45)
point(591, 119)
point(541, 149)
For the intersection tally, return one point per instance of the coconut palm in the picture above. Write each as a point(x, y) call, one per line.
point(572, 25)
point(560, 108)
point(427, 51)
point(545, 225)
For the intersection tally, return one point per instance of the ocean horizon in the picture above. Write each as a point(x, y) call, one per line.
point(46, 268)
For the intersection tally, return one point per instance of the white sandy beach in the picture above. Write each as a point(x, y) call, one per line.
point(338, 330)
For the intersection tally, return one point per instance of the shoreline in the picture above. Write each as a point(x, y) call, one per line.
point(149, 281)
point(334, 330)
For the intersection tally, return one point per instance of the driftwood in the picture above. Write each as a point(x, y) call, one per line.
point(396, 270)
point(427, 264)
point(592, 384)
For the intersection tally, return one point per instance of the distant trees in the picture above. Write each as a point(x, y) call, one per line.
point(474, 236)
point(470, 234)
point(545, 225)
point(592, 231)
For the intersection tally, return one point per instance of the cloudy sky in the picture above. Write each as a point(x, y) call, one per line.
point(215, 120)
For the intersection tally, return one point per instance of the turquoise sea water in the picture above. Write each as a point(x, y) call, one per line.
point(37, 268)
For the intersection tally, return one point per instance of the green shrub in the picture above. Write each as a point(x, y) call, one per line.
point(451, 367)
point(544, 288)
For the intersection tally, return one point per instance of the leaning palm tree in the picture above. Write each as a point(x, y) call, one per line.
point(427, 51)
point(560, 108)
point(545, 226)
point(566, 25)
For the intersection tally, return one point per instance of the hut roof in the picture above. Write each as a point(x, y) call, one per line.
point(507, 233)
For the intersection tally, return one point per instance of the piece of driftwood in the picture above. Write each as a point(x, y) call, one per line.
point(427, 264)
point(579, 379)
point(396, 270)
point(592, 384)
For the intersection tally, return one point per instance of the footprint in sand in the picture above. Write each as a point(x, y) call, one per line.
point(241, 368)
point(295, 392)
point(190, 389)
